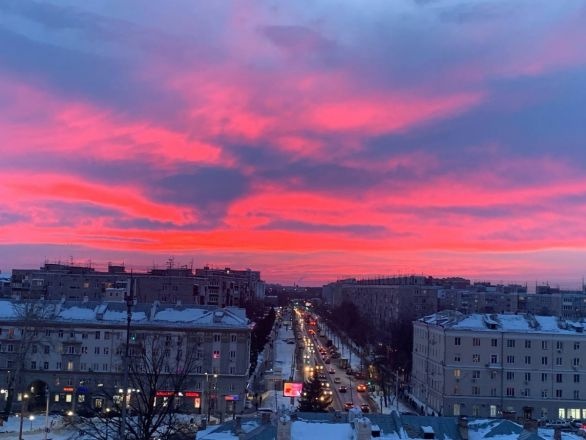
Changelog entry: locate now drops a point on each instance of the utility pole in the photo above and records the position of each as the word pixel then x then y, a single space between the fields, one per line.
pixel 129 298
pixel 47 412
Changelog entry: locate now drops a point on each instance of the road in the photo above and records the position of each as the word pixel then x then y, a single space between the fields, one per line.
pixel 313 358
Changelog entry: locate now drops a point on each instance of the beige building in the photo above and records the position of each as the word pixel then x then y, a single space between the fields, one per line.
pixel 489 365
pixel 77 350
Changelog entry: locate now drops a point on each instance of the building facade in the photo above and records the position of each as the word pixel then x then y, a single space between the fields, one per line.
pixel 207 286
pixel 488 365
pixel 77 351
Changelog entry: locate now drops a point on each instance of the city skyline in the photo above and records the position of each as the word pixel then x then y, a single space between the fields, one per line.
pixel 419 137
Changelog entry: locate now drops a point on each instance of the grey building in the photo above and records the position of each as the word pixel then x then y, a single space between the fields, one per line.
pixel 77 351
pixel 488 365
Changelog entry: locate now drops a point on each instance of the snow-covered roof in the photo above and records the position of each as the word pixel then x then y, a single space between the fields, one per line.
pixel 525 323
pixel 112 313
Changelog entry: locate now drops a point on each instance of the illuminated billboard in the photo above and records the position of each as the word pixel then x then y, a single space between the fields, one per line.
pixel 292 389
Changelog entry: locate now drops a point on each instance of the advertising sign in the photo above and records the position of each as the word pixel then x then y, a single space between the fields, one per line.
pixel 292 389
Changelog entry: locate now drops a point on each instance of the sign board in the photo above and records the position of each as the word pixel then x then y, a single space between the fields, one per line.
pixel 292 389
pixel 231 397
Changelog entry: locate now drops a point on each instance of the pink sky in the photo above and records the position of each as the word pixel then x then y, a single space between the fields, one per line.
pixel 308 141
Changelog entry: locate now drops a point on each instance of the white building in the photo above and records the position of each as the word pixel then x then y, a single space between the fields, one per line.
pixel 489 365
pixel 77 351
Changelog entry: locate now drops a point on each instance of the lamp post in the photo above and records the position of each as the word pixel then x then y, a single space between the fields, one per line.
pixel 23 401
pixel 47 412
pixel 129 298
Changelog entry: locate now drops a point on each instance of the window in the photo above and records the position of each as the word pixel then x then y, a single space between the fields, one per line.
pixel 457 358
pixel 527 360
pixel 84 336
pixel 558 378
pixel 58 366
pixel 71 349
pixel 494 359
pixel 576 362
pixel 476 374
pixel 457 373
pixel 45 365
pixel 69 365
pixel 558 361
pixel 97 350
pixel 576 346
pixel 576 394
pixel 527 343
pixel 510 392
pixel 106 350
pixel 232 354
pixel 232 338
pixel 232 370
pixel 476 342
pixel 47 332
pixel 576 378
pixel 510 343
pixel 493 392
pixel 217 337
pixel 457 340
pixel 47 349
pixel 543 360
pixel 544 345
pixel 544 393
pixel 475 390
pixel 98 334
pixel 476 358
pixel 72 334
pixel 106 335
pixel 510 375
pixel 544 377
pixel 494 342
pixel 60 334
pixel 84 350
pixel 216 354
pixel 493 374
pixel 33 365
pixel 558 394
pixel 510 359
pixel 559 345
pixel 104 367
pixel 527 377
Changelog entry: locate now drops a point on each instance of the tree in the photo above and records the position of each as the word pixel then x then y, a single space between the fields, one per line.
pixel 159 373
pixel 30 317
pixel 313 398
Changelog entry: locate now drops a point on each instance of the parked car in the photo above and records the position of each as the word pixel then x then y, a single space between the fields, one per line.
pixel 337 380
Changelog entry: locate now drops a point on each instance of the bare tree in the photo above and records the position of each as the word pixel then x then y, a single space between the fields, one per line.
pixel 30 319
pixel 159 373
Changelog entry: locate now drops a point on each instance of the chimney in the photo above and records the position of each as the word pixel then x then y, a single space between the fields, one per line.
pixel 362 429
pixel 463 427
pixel 284 428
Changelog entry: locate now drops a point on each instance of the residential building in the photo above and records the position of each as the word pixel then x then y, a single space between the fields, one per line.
pixel 490 365
pixel 77 350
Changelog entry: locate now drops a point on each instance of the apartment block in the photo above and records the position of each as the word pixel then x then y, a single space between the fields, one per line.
pixel 77 350
pixel 489 365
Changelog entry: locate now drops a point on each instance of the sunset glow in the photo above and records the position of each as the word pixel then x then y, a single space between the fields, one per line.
pixel 437 137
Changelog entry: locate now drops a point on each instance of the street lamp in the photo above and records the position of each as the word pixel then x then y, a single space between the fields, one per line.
pixel 23 401
pixel 129 298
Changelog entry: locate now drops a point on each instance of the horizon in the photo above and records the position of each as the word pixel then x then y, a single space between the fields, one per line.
pixel 309 141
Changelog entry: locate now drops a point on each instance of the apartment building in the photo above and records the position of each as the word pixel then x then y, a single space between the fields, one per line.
pixel 487 365
pixel 77 350
pixel 171 285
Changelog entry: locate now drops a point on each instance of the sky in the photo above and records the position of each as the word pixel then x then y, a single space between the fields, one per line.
pixel 309 140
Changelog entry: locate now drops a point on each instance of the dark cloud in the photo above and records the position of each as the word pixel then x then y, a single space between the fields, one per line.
pixel 356 229
pixel 208 189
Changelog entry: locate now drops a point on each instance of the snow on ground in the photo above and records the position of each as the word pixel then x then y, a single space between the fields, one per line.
pixel 35 429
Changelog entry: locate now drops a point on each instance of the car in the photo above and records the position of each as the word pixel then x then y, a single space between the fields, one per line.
pixel 342 388
pixel 327 360
pixel 361 388
pixel 348 406
pixel 365 408
pixel 321 377
pixel 359 375
pixel 337 380
pixel 332 371
pixel 349 372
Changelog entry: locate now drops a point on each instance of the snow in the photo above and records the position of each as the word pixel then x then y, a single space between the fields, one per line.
pixel 319 431
pixel 173 315
pixel 6 309
pixel 78 313
pixel 115 315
